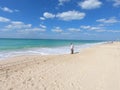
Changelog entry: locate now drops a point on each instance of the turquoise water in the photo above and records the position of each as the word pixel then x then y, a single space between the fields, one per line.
pixel 9 47
pixel 13 44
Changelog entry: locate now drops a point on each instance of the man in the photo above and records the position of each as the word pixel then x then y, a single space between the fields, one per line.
pixel 72 48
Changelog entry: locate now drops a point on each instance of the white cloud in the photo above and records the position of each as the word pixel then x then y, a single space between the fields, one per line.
pixel 16 10
pixel 101 30
pixel 34 30
pixel 88 34
pixel 42 18
pixel 116 3
pixel 6 9
pixel 114 31
pixel 111 20
pixel 17 22
pixel 90 4
pixel 21 26
pixel 43 26
pixel 66 16
pixel 48 15
pixel 3 19
pixel 74 29
pixel 98 29
pixel 85 27
pixel 94 28
pixel 101 25
pixel 70 15
pixel 61 2
pixel 110 31
pixel 57 29
pixel 18 25
pixel 91 27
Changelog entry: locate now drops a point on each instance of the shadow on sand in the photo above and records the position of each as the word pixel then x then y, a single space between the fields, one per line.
pixel 76 52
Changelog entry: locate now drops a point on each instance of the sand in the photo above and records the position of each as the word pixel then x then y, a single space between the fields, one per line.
pixel 95 68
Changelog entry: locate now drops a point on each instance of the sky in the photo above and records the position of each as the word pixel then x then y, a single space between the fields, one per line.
pixel 60 19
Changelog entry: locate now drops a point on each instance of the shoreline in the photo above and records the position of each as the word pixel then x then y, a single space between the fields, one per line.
pixel 94 68
pixel 46 50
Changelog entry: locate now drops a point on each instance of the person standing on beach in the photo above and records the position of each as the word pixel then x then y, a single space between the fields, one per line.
pixel 72 48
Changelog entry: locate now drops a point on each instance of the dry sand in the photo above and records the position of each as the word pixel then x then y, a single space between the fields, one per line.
pixel 96 68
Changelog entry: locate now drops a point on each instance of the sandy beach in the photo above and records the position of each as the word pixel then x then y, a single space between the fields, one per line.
pixel 95 68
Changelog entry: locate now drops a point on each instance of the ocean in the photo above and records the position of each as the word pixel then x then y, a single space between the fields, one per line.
pixel 14 47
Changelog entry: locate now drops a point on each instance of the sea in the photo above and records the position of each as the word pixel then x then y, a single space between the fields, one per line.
pixel 16 47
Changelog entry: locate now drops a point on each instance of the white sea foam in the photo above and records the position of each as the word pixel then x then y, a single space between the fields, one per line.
pixel 44 51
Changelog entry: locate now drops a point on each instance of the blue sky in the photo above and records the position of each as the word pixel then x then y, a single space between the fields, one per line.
pixel 60 19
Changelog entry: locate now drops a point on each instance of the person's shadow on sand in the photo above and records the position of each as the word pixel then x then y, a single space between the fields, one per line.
pixel 76 52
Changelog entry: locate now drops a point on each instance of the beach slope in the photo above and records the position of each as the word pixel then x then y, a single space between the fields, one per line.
pixel 95 68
